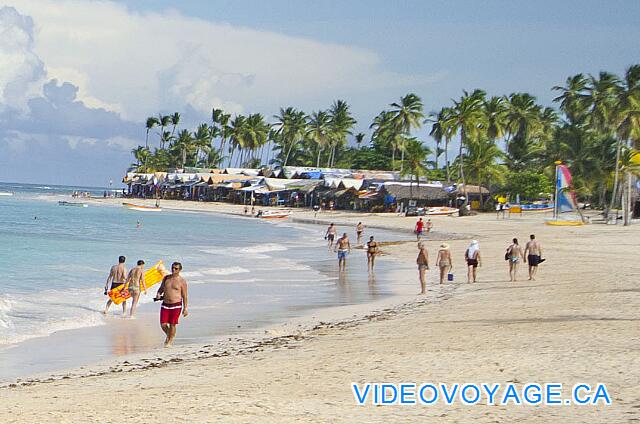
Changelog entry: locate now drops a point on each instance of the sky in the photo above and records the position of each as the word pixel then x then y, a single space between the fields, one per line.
pixel 78 78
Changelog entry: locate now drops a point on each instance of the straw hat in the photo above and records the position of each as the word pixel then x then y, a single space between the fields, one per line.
pixel 444 246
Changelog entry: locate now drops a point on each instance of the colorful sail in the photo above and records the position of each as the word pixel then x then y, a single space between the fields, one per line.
pixel 566 201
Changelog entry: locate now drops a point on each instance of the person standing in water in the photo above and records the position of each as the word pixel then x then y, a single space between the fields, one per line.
pixel 419 229
pixel 173 293
pixel 372 251
pixel 472 257
pixel 330 235
pixel 533 253
pixel 135 283
pixel 443 261
pixel 343 247
pixel 117 276
pixel 423 266
pixel 513 256
pixel 359 230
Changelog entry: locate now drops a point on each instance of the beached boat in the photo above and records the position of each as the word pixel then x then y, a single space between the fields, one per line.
pixel 6 193
pixel 443 210
pixel 141 208
pixel 537 207
pixel 76 204
pixel 275 214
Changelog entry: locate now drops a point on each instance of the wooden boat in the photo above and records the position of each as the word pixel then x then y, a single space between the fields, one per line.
pixel 141 208
pixel 76 204
pixel 441 211
pixel 275 214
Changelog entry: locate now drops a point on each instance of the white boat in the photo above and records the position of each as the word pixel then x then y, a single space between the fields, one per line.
pixel 6 193
pixel 76 204
pixel 142 208
pixel 444 210
pixel 275 214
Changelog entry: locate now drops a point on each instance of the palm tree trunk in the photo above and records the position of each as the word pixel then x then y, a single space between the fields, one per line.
pixel 616 175
pixel 233 150
pixel 446 158
pixel 401 159
pixel 393 158
pixel 318 161
pixel 286 159
pixel 464 184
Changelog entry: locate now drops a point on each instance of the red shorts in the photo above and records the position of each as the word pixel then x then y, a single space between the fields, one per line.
pixel 170 313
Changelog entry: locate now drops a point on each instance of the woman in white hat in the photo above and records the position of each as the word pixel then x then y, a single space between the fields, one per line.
pixel 443 262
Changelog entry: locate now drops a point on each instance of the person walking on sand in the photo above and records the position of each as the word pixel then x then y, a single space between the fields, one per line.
pixel 419 229
pixel 423 266
pixel 117 276
pixel 533 254
pixel 513 255
pixel 173 293
pixel 472 257
pixel 343 247
pixel 135 283
pixel 443 261
pixel 372 251
pixel 330 235
pixel 359 230
pixel 429 225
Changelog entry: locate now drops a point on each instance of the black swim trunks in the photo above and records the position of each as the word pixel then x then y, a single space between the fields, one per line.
pixel 330 237
pixel 472 262
pixel 534 260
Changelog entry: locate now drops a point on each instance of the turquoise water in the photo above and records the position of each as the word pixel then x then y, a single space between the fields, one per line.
pixel 241 271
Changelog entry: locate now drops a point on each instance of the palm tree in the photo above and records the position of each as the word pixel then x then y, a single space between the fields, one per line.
pixel 496 110
pixel 236 135
pixel 255 135
pixel 359 139
pixel 175 120
pixel 291 129
pixel 164 120
pixel 385 134
pixel 340 123
pixel 220 127
pixel 573 100
pixel 202 140
pixel 318 131
pixel 151 122
pixel 467 117
pixel 407 115
pixel 523 125
pixel 439 131
pixel 481 163
pixel 141 154
pixel 414 162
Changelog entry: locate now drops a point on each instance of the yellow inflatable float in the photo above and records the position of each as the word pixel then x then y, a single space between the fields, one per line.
pixel 152 276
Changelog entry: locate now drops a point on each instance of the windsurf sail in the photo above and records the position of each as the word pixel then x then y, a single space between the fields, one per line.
pixel 565 197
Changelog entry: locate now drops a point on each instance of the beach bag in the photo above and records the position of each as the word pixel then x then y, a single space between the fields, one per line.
pixel 506 255
pixel 449 277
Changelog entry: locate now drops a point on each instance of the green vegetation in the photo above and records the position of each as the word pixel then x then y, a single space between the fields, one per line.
pixel 509 143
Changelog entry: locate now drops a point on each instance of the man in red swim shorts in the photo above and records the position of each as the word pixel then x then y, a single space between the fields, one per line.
pixel 173 292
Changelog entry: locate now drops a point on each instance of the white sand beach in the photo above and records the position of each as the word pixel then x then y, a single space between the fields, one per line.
pixel 579 322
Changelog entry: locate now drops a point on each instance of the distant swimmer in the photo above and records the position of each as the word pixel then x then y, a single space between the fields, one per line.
pixel 138 224
pixel 330 235
pixel 513 255
pixel 423 265
pixel 419 229
pixel 359 230
pixel 372 251
pixel 343 247
pixel 443 261
pixel 173 292
pixel 533 254
pixel 135 283
pixel 473 259
pixel 117 276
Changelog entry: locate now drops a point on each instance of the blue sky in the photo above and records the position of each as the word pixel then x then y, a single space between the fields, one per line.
pixel 79 76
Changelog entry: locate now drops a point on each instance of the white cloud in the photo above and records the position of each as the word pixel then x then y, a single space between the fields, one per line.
pixel 139 63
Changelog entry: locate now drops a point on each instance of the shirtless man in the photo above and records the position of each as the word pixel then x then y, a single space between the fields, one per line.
pixel 372 251
pixel 135 283
pixel 533 253
pixel 330 235
pixel 359 230
pixel 343 247
pixel 173 292
pixel 117 276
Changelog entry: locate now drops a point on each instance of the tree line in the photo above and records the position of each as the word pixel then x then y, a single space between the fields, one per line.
pixel 509 143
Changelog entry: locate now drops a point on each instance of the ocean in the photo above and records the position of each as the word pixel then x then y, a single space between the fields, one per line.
pixel 243 274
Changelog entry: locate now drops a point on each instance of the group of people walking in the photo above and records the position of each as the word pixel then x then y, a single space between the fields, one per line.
pixel 531 254
pixel 172 292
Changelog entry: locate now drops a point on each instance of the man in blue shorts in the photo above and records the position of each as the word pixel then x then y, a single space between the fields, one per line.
pixel 343 247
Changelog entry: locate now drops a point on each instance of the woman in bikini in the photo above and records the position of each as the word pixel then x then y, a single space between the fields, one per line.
pixel 443 261
pixel 423 266
pixel 513 254
pixel 472 257
pixel 372 251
